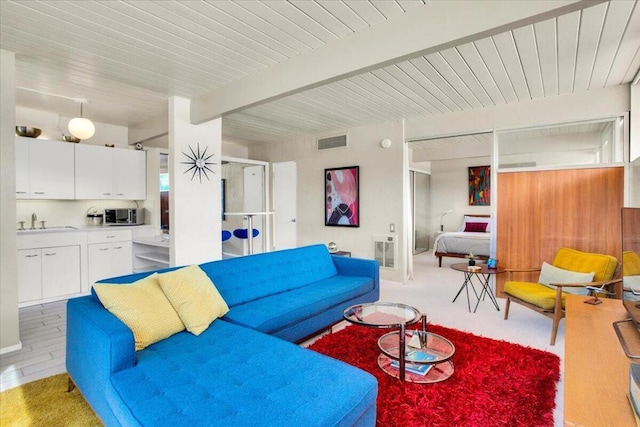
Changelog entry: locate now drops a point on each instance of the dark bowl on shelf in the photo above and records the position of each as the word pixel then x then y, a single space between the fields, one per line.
pixel 69 138
pixel 28 132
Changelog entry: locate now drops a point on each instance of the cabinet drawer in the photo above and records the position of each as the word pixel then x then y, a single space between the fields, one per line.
pixel 106 236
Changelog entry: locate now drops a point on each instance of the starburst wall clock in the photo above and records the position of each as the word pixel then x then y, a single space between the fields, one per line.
pixel 198 163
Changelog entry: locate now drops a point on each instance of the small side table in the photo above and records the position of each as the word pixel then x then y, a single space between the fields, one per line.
pixel 482 276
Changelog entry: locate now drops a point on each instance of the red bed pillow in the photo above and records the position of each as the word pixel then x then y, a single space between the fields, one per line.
pixel 478 227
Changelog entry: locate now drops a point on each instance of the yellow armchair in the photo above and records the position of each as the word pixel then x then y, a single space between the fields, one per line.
pixel 570 272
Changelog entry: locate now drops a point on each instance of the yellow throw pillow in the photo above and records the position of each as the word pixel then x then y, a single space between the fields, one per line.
pixel 143 307
pixel 194 296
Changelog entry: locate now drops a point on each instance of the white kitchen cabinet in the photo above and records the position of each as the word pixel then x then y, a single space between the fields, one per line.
pixel 45 169
pixel 60 271
pixel 130 176
pixel 93 172
pixel 109 173
pixel 48 273
pixel 110 254
pixel 29 275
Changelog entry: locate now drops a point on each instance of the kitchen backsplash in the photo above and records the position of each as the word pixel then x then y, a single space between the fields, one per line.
pixel 65 212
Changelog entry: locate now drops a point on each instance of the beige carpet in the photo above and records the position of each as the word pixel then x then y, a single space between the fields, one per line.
pixel 45 402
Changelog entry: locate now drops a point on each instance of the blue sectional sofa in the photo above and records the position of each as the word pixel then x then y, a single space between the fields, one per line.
pixel 244 369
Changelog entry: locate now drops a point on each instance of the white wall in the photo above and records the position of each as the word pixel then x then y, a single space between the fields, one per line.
pixel 634 186
pixel 194 202
pixel 450 190
pixel 9 322
pixel 381 187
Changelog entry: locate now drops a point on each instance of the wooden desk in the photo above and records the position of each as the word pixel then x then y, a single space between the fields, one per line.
pixel 596 370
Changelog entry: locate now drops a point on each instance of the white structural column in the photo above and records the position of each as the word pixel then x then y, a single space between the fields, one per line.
pixel 194 203
pixel 436 26
pixel 9 321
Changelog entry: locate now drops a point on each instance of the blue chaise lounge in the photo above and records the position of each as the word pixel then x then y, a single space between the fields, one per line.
pixel 244 368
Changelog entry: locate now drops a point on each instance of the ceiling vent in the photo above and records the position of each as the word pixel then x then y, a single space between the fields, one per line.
pixel 329 143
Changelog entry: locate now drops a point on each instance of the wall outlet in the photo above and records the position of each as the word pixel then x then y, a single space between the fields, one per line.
pixel 392 228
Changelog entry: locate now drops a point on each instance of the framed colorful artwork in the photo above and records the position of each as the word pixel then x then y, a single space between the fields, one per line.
pixel 342 196
pixel 479 185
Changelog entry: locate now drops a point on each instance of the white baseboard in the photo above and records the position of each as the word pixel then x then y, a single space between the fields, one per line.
pixel 9 349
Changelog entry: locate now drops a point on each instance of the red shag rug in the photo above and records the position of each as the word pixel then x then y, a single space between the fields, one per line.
pixel 495 383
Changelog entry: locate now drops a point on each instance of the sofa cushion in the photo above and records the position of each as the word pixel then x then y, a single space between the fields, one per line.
pixel 143 307
pixel 194 297
pixel 275 312
pixel 550 275
pixel 269 382
pixel 603 266
pixel 248 278
pixel 630 263
pixel 534 293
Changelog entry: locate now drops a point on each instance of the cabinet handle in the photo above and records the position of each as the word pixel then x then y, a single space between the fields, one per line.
pixel 30 256
pixel 21 192
pixel 106 194
pixel 50 254
pixel 38 192
pixel 118 247
pixel 119 194
pixel 104 249
pixel 110 237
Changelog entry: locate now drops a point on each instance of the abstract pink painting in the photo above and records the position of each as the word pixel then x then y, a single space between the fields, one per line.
pixel 341 196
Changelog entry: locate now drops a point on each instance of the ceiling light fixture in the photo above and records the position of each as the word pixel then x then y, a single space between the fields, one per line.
pixel 81 128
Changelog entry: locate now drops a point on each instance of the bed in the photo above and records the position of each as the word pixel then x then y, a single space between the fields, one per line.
pixel 473 236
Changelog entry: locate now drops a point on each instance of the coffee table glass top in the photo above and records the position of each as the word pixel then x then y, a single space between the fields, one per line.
pixel 381 314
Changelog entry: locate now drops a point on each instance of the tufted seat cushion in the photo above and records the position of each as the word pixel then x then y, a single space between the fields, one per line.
pixel 533 293
pixel 630 263
pixel 295 387
pixel 603 266
pixel 273 313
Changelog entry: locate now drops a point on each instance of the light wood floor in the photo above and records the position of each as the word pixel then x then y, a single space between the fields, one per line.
pixel 42 332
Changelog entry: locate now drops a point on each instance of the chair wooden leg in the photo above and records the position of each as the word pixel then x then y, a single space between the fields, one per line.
pixel 557 315
pixel 554 330
pixel 507 304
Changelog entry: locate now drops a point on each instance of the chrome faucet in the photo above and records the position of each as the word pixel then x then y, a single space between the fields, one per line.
pixel 34 218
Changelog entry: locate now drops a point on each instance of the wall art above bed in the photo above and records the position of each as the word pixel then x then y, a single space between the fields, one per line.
pixel 479 185
pixel 342 196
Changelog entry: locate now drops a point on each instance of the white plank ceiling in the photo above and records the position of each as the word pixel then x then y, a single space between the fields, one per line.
pixel 127 57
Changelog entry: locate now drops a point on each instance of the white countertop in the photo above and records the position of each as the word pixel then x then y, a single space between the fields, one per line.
pixel 84 228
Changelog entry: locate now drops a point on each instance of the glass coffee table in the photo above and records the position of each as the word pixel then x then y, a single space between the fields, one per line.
pixel 413 356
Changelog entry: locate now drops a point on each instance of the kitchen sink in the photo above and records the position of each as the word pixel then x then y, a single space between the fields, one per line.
pixel 52 228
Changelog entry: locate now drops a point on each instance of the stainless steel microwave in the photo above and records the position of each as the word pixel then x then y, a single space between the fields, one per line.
pixel 124 216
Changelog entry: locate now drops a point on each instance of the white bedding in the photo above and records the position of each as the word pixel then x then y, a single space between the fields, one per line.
pixel 460 242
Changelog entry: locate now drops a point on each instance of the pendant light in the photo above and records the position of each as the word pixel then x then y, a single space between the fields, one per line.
pixel 80 127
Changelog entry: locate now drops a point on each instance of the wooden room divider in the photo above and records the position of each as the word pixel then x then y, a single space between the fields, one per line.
pixel 541 211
